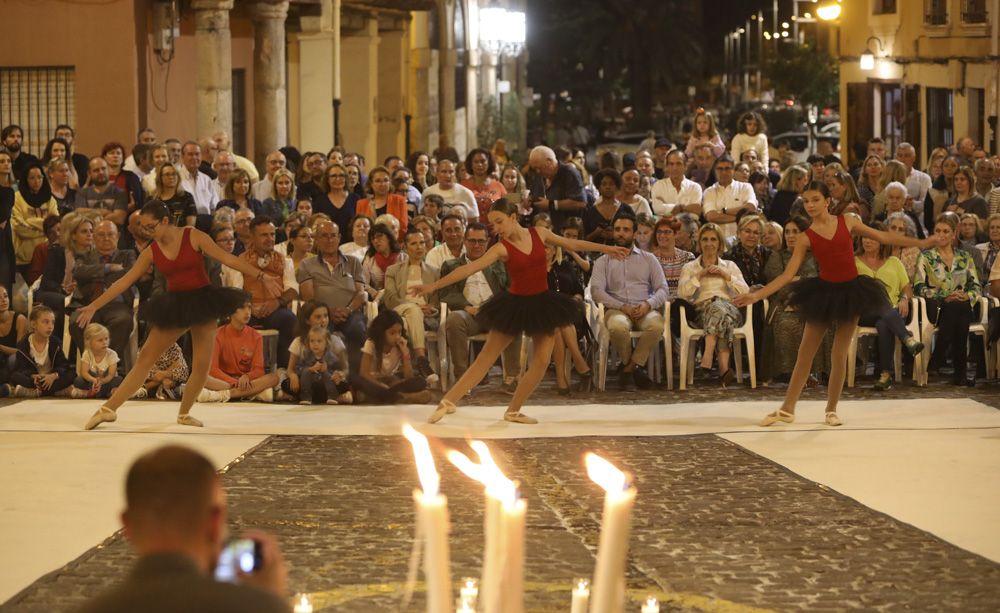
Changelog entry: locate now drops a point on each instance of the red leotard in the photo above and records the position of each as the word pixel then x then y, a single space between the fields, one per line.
pixel 835 256
pixel 184 273
pixel 528 272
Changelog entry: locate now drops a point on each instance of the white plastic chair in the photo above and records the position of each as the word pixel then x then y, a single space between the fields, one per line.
pixel 862 331
pixel 604 347
pixel 688 343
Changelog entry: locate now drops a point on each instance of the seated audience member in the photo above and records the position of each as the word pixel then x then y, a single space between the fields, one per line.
pixel 573 230
pixel 402 185
pixel 237 369
pixel 773 239
pixel 224 165
pixel 381 200
pixel 158 156
pixel 788 197
pixel 748 253
pixel 671 258
pixel 314 315
pixel 453 233
pixel 969 235
pixel 725 200
pixel 674 193
pixel 686 237
pixel 644 232
pixel 710 283
pixel 175 519
pixel 762 189
pixel 236 194
pixel 323 364
pixel 451 193
pixel 897 200
pixel 101 196
pixel 898 223
pixel 481 169
pixel 41 368
pixel 515 185
pixel 633 292
pixel 434 208
pixel 33 202
pixel 383 253
pixel 699 169
pixel 224 237
pixel 419 313
pixel 272 294
pixel 57 172
pixel 293 221
pixel 167 377
pixel 844 196
pixel 464 299
pixel 97 369
pixel 563 277
pixel 195 181
pixel 629 193
pixel 784 327
pixel 430 229
pixel 360 229
pixel 335 200
pixel 598 219
pixel 337 282
pixel 274 163
pixel 386 375
pixel 225 145
pixel 13 328
pixel 52 228
pixel 947 280
pixel 58 280
pixel 183 211
pixel 965 199
pixel 990 249
pixel 95 272
pixel 875 260
pixel 280 200
pixel 300 245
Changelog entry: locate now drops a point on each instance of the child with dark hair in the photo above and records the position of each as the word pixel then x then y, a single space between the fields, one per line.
pixel 41 368
pixel 237 368
pixel 386 375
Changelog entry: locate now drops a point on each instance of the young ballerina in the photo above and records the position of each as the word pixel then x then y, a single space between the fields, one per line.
pixel 97 371
pixel 190 303
pixel 837 296
pixel 529 306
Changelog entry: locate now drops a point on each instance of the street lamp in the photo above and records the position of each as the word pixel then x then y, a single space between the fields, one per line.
pixel 829 12
pixel 502 32
pixel 868 57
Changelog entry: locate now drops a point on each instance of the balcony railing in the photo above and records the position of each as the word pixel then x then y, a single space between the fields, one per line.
pixel 936 13
pixel 974 11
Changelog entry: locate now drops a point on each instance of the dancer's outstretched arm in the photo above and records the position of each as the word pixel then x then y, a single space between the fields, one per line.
pixel 207 246
pixel 462 272
pixel 855 225
pixel 552 238
pixel 786 277
pixel 142 264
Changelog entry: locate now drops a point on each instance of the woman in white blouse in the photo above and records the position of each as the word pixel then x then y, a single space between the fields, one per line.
pixel 710 283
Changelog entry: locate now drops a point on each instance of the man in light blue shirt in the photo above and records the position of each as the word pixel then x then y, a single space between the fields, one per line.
pixel 633 292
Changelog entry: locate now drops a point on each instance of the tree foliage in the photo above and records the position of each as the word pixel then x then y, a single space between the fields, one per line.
pixel 803 73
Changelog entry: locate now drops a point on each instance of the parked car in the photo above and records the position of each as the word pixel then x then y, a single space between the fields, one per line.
pixel 800 146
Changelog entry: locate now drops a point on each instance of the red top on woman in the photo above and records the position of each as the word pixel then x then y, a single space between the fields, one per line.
pixel 528 272
pixel 186 272
pixel 835 256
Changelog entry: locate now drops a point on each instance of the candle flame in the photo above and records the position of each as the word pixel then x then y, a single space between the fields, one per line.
pixel 430 481
pixel 582 585
pixel 605 474
pixel 486 472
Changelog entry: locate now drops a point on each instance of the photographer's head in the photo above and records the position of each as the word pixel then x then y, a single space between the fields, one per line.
pixel 175 503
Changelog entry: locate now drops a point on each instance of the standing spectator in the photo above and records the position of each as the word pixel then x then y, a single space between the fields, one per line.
pixel 57 172
pixel 704 131
pixel 453 233
pixel 451 192
pixel 78 160
pixel 272 293
pixel 556 188
pixel 101 197
pixel 917 182
pixel 196 182
pixel 336 281
pixel 482 169
pixel 751 133
pixel 274 162
pixel 21 161
pixel 419 313
pixel 633 291
pixel 33 202
pixel 125 180
pixel 169 190
pixel 674 193
pixel 336 200
pixel 381 201
pixel 724 201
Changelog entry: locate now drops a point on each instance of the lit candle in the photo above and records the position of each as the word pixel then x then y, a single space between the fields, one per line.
pixel 465 606
pixel 302 604
pixel 502 585
pixel 609 574
pixel 469 591
pixel 432 515
pixel 581 595
pixel 651 606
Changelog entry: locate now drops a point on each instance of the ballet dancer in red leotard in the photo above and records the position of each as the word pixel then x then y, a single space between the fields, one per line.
pixel 837 296
pixel 190 303
pixel 529 307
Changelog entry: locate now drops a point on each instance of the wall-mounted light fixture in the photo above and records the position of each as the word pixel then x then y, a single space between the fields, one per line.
pixel 868 57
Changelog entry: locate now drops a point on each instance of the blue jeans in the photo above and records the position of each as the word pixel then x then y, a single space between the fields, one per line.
pixel 890 326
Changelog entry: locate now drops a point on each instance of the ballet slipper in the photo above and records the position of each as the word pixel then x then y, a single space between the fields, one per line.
pixel 776 417
pixel 186 419
pixel 445 407
pixel 102 415
pixel 519 418
pixel 832 419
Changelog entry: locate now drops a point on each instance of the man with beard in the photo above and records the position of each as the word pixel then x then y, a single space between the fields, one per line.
pixel 13 137
pixel 100 195
pixel 633 292
pixel 79 161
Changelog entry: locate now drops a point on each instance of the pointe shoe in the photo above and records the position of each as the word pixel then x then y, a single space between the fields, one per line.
pixel 777 416
pixel 833 420
pixel 102 415
pixel 445 407
pixel 186 419
pixel 332 401
pixel 519 418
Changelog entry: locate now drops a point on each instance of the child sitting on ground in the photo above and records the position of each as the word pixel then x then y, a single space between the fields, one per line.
pixel 322 364
pixel 41 368
pixel 97 371
pixel 237 369
pixel 167 377
pixel 386 375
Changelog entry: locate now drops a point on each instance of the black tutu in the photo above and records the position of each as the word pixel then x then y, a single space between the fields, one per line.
pixel 185 309
pixel 822 301
pixel 541 313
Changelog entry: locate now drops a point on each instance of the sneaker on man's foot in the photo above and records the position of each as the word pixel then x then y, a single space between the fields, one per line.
pixel 884 382
pixel 208 395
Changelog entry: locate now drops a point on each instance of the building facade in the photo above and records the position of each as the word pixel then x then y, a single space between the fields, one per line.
pixel 931 78
pixel 393 75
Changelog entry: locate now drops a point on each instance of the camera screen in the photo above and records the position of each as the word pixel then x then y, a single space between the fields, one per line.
pixel 239 554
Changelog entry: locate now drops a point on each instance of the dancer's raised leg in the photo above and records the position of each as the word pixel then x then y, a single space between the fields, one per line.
pixel 202 343
pixel 812 337
pixel 496 342
pixel 540 356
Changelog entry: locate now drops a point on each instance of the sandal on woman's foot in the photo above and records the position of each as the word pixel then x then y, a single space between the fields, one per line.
pixel 519 418
pixel 186 419
pixel 833 420
pixel 777 416
pixel 445 407
pixel 102 415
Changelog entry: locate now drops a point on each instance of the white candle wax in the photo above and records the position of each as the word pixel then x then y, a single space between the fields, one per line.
pixel 303 605
pixel 608 593
pixel 512 582
pixel 581 596
pixel 651 606
pixel 469 591
pixel 489 585
pixel 432 512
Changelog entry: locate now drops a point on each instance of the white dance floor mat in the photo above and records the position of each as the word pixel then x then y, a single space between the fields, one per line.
pixel 933 463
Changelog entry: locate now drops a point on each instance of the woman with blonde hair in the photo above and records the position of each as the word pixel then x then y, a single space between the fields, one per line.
pixel 942 190
pixel 281 201
pixel 868 179
pixel 236 194
pixel 168 189
pixel 934 160
pixel 788 197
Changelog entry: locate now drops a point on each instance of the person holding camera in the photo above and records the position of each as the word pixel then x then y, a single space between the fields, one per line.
pixel 175 519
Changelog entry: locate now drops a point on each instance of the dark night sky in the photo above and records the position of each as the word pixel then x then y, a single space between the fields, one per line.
pixel 721 16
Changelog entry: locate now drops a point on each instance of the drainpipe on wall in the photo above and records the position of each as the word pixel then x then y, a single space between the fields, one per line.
pixel 995 53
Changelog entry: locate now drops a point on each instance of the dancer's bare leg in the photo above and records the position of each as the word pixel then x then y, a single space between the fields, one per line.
pixel 202 342
pixel 157 342
pixel 496 342
pixel 838 368
pixel 812 337
pixel 540 357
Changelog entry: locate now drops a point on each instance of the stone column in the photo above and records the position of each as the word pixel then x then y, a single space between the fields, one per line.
pixel 423 106
pixel 270 100
pixel 447 60
pixel 214 75
pixel 393 55
pixel 359 113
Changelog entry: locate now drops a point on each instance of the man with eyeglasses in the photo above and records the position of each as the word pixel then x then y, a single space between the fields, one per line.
pixel 464 299
pixel 274 162
pixel 453 232
pixel 724 200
